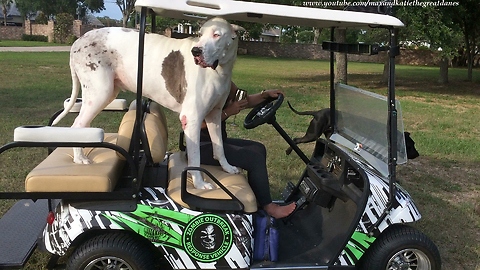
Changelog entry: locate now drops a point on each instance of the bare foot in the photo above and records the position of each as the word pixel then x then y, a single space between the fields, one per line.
pixel 278 211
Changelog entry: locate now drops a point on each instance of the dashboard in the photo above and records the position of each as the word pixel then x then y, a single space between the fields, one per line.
pixel 330 176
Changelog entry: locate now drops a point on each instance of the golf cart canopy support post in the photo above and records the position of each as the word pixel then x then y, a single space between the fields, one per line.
pixel 139 113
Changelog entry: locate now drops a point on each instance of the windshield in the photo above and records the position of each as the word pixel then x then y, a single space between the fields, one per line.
pixel 361 124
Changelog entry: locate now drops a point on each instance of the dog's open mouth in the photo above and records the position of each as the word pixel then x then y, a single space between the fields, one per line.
pixel 201 62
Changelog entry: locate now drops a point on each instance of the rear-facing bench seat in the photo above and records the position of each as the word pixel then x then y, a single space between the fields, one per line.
pixel 58 173
pixel 237 184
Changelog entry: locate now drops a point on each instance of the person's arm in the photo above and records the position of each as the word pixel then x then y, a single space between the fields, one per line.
pixel 234 107
pixel 230 108
pixel 255 99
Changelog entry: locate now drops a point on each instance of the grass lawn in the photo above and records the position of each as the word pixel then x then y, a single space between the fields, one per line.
pixel 443 121
pixel 21 43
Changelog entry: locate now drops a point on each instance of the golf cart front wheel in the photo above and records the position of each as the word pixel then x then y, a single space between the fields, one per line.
pixel 112 251
pixel 402 248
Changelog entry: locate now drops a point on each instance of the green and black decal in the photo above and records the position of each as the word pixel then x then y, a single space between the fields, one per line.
pixel 153 223
pixel 205 238
pixel 356 247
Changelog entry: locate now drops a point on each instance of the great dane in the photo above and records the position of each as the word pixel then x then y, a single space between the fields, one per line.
pixel 189 76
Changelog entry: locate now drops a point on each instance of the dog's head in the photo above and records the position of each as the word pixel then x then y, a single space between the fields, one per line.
pixel 217 44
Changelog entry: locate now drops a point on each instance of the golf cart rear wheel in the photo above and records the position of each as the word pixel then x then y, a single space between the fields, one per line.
pixel 112 251
pixel 402 248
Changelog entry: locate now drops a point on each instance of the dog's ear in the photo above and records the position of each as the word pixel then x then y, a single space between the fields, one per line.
pixel 235 29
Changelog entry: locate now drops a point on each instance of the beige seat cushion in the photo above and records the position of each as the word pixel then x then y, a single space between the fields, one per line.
pixel 58 173
pixel 155 127
pixel 237 184
pixel 125 131
pixel 157 137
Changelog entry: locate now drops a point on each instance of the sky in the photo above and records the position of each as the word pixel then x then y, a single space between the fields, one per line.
pixel 111 10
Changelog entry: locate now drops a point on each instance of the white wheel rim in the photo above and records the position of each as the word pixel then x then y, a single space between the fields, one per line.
pixel 108 263
pixel 409 259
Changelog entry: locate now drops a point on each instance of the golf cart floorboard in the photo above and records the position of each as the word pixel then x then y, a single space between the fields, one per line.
pixel 20 228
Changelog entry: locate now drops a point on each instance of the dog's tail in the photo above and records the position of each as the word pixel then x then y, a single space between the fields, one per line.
pixel 300 113
pixel 73 97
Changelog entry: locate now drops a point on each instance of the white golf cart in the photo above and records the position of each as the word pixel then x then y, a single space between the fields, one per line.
pixel 135 209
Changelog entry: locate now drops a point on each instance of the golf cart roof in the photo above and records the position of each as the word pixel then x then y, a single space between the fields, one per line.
pixel 266 13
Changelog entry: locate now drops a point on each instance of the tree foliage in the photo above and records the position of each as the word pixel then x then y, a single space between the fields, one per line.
pixel 28 8
pixel 41 18
pixel 109 22
pixel 53 7
pixel 465 16
pixel 63 27
pixel 127 8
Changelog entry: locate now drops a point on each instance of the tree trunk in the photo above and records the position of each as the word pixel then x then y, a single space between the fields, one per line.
pixel 386 70
pixel 125 20
pixel 316 34
pixel 4 10
pixel 341 58
pixel 443 79
pixel 470 66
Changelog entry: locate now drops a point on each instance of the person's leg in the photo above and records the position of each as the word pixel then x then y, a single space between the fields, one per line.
pixel 251 156
pixel 246 155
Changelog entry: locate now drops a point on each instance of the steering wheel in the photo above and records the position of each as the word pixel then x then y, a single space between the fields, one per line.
pixel 263 112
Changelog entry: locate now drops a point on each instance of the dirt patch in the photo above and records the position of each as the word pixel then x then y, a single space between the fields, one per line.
pixel 447 194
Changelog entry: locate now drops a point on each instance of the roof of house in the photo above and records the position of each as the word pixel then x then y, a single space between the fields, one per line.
pixel 272 32
pixel 12 11
pixel 92 20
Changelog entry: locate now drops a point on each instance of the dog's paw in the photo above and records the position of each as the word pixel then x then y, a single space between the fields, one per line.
pixel 82 160
pixel 231 169
pixel 204 185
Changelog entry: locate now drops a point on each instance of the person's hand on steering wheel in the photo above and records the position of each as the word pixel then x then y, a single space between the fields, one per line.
pixel 272 93
pixel 265 110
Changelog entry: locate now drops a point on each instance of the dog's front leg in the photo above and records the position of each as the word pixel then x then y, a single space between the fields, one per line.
pixel 191 125
pixel 213 120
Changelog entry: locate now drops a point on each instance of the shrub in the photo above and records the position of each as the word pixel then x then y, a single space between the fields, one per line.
pixel 26 37
pixel 63 27
pixel 71 39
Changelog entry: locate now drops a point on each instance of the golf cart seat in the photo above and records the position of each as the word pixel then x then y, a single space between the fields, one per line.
pixel 58 173
pixel 237 184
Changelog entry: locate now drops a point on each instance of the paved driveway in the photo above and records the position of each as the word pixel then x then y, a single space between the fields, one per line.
pixel 36 49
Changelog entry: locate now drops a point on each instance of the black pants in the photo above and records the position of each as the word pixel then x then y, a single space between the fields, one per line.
pixel 248 155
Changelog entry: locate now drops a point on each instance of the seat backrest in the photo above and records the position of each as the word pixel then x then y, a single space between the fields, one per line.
pixel 155 127
pixel 156 130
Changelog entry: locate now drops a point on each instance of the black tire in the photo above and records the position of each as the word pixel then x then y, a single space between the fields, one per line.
pixel 112 249
pixel 402 247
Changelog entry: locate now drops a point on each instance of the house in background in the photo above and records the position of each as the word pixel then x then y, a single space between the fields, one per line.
pixel 270 35
pixel 13 16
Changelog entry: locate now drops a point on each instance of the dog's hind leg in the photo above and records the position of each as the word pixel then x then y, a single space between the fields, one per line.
pixel 97 92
